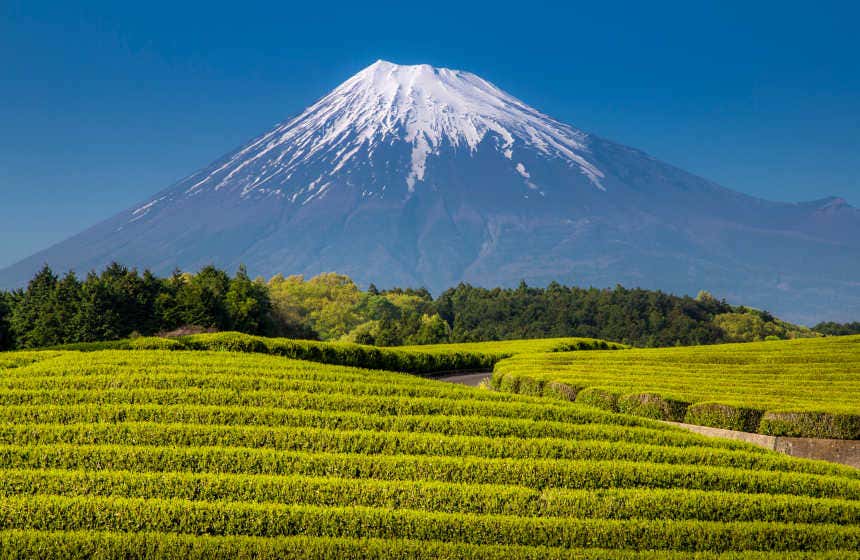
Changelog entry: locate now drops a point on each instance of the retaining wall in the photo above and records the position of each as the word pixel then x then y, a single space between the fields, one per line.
pixel 844 451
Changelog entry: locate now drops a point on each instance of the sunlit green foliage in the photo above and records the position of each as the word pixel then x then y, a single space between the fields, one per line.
pixel 803 388
pixel 420 359
pixel 325 304
pixel 121 302
pixel 755 326
pixel 218 454
pixel 838 329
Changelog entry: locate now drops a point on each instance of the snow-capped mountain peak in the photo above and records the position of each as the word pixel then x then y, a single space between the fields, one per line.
pixel 424 107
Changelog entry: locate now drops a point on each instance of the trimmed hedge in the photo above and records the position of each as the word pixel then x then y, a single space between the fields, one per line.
pixel 373 404
pixel 800 388
pixel 369 442
pixel 140 343
pixel 534 473
pixel 272 520
pixel 728 417
pixel 413 360
pixel 101 545
pixel 654 406
pixel 561 391
pixel 345 420
pixel 195 381
pixel 598 398
pixel 712 414
pixel 435 496
pixel 336 353
pixel 811 424
pixel 345 354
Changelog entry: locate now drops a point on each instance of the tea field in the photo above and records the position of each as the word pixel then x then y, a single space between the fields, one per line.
pixel 203 454
pixel 804 388
pixel 419 360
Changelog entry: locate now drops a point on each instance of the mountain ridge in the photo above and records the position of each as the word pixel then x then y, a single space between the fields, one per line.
pixel 415 175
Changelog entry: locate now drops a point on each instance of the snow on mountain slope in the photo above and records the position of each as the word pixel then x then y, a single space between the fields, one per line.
pixel 425 107
pixel 415 175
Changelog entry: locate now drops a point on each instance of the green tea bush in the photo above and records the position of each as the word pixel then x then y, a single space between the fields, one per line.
pixel 728 417
pixel 590 427
pixel 423 360
pixel 598 398
pixel 561 391
pixel 802 388
pixel 60 513
pixel 232 451
pixel 811 424
pixel 102 545
pixel 534 473
pixel 434 496
pixel 369 442
pixel 654 406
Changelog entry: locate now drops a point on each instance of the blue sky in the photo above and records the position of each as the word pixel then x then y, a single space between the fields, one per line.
pixel 105 103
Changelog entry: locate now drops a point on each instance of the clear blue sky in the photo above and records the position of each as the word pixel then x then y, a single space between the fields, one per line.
pixel 105 103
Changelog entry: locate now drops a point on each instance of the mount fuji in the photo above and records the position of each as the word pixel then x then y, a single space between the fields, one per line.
pixel 415 175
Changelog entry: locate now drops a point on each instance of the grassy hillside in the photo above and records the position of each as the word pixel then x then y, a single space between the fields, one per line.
pixel 808 387
pixel 203 454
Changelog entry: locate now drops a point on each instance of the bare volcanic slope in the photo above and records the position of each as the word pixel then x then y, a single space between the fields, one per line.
pixel 415 175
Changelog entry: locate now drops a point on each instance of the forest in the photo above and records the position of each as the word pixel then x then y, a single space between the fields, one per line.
pixel 121 302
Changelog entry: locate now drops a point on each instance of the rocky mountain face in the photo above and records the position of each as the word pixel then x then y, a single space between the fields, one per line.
pixel 422 176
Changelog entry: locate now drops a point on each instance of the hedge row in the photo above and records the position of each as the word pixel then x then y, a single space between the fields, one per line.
pixel 714 414
pixel 61 513
pixel 81 367
pixel 247 383
pixel 717 415
pixel 450 425
pixel 800 388
pixel 337 353
pixel 534 473
pixel 435 496
pixel 321 401
pixel 100 545
pixel 346 354
pixel 369 442
pixel 77 364
pixel 141 343
pixel 811 424
pixel 412 360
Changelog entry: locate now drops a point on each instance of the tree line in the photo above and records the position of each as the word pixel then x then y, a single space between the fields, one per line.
pixel 837 329
pixel 120 302
pixel 638 317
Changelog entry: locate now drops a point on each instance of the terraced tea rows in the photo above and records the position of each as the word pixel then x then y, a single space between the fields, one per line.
pixel 217 454
pixel 420 360
pixel 804 388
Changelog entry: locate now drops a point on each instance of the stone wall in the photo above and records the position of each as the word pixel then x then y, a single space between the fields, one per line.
pixel 846 452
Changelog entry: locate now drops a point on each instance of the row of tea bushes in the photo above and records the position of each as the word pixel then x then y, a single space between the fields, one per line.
pixel 422 360
pixel 205 453
pixel 801 388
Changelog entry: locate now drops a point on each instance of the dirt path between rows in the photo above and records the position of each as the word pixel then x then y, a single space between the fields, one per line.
pixel 468 379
